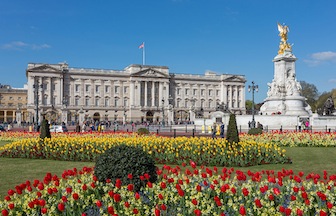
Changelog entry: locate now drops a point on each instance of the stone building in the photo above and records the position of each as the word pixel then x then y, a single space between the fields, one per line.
pixel 137 93
pixel 13 104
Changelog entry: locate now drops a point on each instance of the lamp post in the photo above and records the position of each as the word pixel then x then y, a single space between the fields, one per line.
pixel 163 114
pixel 36 86
pixel 253 88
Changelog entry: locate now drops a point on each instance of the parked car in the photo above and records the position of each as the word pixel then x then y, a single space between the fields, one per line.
pixel 2 128
pixel 58 128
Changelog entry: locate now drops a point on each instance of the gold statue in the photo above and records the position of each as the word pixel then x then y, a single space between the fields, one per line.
pixel 283 31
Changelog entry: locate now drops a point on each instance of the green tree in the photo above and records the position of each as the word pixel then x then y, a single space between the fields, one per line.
pixel 322 99
pixel 232 132
pixel 310 92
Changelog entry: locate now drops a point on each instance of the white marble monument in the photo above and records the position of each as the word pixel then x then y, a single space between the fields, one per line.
pixel 284 92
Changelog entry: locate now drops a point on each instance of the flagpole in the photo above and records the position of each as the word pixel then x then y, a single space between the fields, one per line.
pixel 143 54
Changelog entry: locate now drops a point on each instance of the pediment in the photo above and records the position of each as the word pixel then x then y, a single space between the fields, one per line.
pixel 150 73
pixel 234 79
pixel 44 68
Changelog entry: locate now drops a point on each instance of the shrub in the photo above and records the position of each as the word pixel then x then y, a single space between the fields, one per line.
pixel 143 131
pixel 232 132
pixel 120 161
pixel 255 131
pixel 45 129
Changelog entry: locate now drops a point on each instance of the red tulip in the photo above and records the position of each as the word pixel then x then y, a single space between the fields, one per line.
pixel 242 210
pixel 4 212
pixel 61 207
pixel 44 210
pixel 75 196
pixel 135 211
pixel 99 204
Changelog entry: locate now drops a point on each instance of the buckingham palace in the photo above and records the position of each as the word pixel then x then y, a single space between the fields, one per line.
pixel 138 93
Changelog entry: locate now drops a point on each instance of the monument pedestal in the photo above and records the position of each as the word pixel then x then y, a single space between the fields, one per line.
pixel 283 96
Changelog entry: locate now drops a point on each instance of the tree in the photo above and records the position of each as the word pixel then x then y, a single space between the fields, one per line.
pixel 310 92
pixel 232 133
pixel 322 99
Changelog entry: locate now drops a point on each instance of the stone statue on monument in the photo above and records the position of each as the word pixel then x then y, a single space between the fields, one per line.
pixel 293 87
pixel 283 31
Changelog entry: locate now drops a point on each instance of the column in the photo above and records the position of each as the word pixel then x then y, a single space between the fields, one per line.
pixel 145 93
pixel 102 93
pixel 30 90
pixel 5 115
pixel 165 93
pixel 132 91
pixel 122 93
pixel 50 92
pixel 112 94
pixel 153 93
pixel 82 93
pixel 222 94
pixel 242 97
pixel 161 96
pixel 92 101
pixel 60 92
pixel 137 93
pixel 231 96
pixel 237 98
pixel 40 88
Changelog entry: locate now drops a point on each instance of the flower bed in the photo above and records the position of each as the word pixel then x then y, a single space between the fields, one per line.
pixel 294 139
pixel 199 191
pixel 204 151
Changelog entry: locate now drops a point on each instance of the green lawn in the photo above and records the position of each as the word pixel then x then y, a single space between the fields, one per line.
pixel 14 171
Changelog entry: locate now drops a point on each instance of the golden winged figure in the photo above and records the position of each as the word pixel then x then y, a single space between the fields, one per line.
pixel 283 31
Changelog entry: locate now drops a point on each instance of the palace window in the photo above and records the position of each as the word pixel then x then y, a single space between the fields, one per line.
pixel 76 101
pixel 115 102
pixel 87 88
pixel 87 101
pixel 217 92
pixel 210 92
pixel 125 89
pixel 194 91
pixel 97 88
pixel 116 89
pixel 202 92
pixel 97 101
pixel 186 91
pixel 107 89
pixel 178 91
pixel 77 87
pixel 125 102
pixel 107 102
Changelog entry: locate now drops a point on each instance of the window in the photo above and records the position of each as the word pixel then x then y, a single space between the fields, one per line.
pixel 54 101
pixel 97 88
pixel 178 91
pixel 210 92
pixel 210 103
pixel 186 103
pixel 77 87
pixel 186 91
pixel 53 87
pixel 87 88
pixel 77 101
pixel 45 100
pixel 107 102
pixel 97 101
pixel 202 92
pixel 87 101
pixel 116 89
pixel 107 89
pixel 10 104
pixel 217 92
pixel 125 89
pixel 194 91
pixel 178 103
pixel 10 98
pixel 116 102
pixel 125 102
pixel 19 98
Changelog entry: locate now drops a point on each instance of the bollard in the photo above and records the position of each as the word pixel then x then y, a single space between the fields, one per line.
pixel 114 130
pixel 281 128
pixel 157 131
pixel 193 132
pixel 174 133
pixel 326 128
pixel 127 130
pixel 329 130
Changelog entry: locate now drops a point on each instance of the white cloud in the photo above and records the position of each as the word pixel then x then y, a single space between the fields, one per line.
pixel 19 45
pixel 321 57
pixel 332 80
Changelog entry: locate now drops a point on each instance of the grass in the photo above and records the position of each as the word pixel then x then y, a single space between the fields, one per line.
pixel 14 171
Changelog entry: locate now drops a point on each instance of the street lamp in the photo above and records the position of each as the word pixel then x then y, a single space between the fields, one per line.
pixel 253 88
pixel 36 86
pixel 163 115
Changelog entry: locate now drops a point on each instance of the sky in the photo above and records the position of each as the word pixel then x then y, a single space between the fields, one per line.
pixel 189 36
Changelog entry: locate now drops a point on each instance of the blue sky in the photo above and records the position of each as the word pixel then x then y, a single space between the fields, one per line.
pixel 188 36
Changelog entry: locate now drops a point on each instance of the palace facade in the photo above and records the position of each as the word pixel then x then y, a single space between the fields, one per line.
pixel 137 93
pixel 13 104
